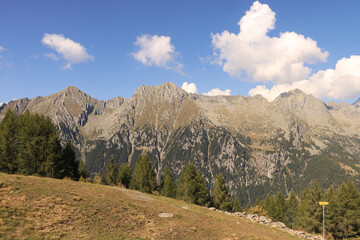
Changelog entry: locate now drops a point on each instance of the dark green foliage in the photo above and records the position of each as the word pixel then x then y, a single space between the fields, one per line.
pixel 236 206
pixel 110 176
pixel 71 167
pixel 168 188
pixel 125 175
pixel 341 215
pixel 221 195
pixel 310 212
pixel 8 143
pixel 29 144
pixel 82 170
pixel 292 204
pixel 144 178
pixel 192 186
pixel 346 215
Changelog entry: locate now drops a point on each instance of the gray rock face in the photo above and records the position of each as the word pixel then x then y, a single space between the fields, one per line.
pixel 259 146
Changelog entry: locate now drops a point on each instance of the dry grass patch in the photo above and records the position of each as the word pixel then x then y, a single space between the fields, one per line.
pixel 43 208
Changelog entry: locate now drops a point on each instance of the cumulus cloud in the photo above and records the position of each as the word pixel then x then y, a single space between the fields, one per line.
pixel 252 53
pixel 189 87
pixel 72 52
pixel 157 51
pixel 218 92
pixel 342 82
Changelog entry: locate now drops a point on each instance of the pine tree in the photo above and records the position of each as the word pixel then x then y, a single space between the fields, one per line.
pixel 201 191
pixel 82 171
pixel 8 143
pixel 279 208
pixel 310 212
pixel 268 205
pixel 110 176
pixel 330 211
pixel 248 206
pixel 192 186
pixel 71 167
pixel 125 175
pixel 168 185
pixel 39 150
pixel 292 204
pixel 221 196
pixel 346 220
pixel 236 206
pixel 144 178
pixel 53 165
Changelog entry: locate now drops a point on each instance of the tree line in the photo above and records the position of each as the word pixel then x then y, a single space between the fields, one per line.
pixel 29 145
pixel 191 186
pixel 342 215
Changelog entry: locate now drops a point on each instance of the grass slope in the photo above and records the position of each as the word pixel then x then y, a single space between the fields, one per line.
pixel 43 208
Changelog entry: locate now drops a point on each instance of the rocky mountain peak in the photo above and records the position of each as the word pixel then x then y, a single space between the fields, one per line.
pixel 306 107
pixel 297 100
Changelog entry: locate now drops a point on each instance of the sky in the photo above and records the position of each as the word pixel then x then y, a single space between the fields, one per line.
pixel 233 47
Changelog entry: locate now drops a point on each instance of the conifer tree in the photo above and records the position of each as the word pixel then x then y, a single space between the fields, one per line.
pixel 71 167
pixel 248 206
pixel 53 165
pixel 236 206
pixel 82 171
pixel 221 196
pixel 110 176
pixel 292 204
pixel 192 186
pixel 144 178
pixel 330 212
pixel 168 185
pixel 279 207
pixel 8 143
pixel 347 211
pixel 268 205
pixel 125 175
pixel 310 212
pixel 39 150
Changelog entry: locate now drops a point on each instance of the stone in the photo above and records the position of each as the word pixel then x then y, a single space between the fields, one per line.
pixel 166 215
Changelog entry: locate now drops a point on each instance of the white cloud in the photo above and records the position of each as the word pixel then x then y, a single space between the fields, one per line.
pixel 67 66
pixel 71 51
pixel 342 82
pixel 52 56
pixel 2 49
pixel 253 53
pixel 189 87
pixel 158 51
pixel 218 92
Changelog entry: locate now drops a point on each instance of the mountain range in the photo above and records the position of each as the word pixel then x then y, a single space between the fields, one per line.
pixel 260 147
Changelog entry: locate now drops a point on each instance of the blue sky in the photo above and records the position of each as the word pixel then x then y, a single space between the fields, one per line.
pixel 119 45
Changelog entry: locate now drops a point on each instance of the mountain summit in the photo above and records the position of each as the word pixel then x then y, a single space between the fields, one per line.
pixel 259 146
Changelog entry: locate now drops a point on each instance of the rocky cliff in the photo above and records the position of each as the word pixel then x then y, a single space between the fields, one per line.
pixel 259 146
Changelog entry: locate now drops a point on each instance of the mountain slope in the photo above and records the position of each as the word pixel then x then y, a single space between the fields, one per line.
pixel 259 146
pixel 39 208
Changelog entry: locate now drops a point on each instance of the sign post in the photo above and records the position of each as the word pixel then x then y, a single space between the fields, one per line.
pixel 323 204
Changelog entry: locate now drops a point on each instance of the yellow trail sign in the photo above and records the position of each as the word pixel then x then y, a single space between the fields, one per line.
pixel 323 203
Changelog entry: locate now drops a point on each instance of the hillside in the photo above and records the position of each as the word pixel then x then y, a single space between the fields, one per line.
pixel 36 208
pixel 260 147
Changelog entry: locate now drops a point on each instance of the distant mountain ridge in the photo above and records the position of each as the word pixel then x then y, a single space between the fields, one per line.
pixel 259 146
